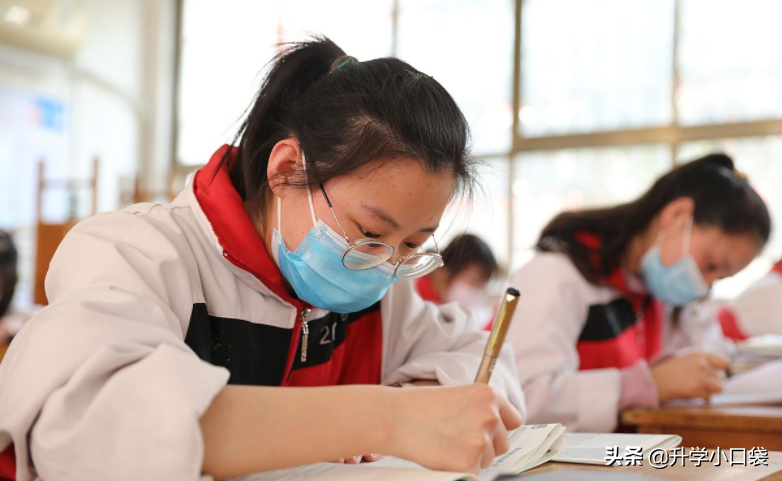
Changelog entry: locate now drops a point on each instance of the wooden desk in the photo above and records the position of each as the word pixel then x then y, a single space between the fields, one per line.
pixel 3 349
pixel 712 427
pixel 689 472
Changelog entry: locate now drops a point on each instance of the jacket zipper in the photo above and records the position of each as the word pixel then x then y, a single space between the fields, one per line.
pixel 305 332
pixel 304 316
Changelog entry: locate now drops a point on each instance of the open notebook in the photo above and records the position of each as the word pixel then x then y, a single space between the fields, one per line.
pixel 769 345
pixel 530 446
pixel 760 385
pixel 585 448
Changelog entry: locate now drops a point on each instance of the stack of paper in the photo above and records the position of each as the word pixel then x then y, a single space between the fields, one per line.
pixel 755 352
pixel 769 345
pixel 761 385
pixel 584 448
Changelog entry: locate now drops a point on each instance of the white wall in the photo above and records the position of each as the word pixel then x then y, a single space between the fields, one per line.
pixel 117 92
pixel 125 93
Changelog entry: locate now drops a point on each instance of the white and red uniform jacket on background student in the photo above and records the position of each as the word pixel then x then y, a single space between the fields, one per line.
pixel 156 307
pixel 756 311
pixel 583 350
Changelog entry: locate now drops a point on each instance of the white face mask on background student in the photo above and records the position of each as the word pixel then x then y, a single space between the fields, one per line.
pixel 465 295
pixel 470 298
pixel 678 284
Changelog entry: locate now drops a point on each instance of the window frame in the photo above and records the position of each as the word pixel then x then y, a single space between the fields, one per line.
pixel 672 134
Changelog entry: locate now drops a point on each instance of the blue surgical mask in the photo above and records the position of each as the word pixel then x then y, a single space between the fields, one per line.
pixel 678 284
pixel 317 274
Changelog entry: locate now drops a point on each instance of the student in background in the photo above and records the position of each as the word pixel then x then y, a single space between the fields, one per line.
pixel 8 279
pixel 286 262
pixel 589 326
pixel 756 311
pixel 469 265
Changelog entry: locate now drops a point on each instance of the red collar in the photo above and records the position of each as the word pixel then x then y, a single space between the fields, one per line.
pixel 617 278
pixel 8 463
pixel 777 268
pixel 426 290
pixel 235 232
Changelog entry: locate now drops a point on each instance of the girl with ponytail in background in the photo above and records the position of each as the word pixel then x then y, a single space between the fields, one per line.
pixel 286 263
pixel 8 278
pixel 590 333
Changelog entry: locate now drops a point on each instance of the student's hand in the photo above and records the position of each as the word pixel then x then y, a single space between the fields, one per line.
pixel 459 429
pixel 694 375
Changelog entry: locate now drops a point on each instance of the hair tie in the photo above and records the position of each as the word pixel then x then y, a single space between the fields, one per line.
pixel 741 175
pixel 342 61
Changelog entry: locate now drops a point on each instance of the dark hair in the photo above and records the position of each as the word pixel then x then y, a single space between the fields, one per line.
pixel 466 250
pixel 722 198
pixel 8 275
pixel 346 115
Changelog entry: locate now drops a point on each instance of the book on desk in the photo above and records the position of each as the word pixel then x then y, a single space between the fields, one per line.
pixel 530 446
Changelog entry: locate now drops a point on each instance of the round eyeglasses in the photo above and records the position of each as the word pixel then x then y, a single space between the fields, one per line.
pixel 368 253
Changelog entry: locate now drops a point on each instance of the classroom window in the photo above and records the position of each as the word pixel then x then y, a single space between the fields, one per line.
pixel 607 90
pixel 468 47
pixel 486 214
pixel 221 69
pixel 363 29
pixel 219 72
pixel 730 61
pixel 547 183
pixel 595 65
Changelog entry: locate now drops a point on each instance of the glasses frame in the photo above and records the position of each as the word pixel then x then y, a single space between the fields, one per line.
pixel 398 262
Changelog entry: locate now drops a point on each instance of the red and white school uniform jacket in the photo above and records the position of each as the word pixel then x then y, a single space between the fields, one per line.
pixel 572 339
pixel 756 311
pixel 157 307
pixel 425 288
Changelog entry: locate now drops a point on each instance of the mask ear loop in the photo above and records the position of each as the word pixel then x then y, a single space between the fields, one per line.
pixel 660 236
pixel 279 216
pixel 309 191
pixel 687 234
pixel 309 198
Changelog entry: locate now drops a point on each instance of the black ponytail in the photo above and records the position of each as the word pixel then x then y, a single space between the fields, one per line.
pixel 347 114
pixel 723 198
pixel 8 272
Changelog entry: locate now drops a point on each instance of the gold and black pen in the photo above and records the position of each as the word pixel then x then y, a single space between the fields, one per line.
pixel 497 336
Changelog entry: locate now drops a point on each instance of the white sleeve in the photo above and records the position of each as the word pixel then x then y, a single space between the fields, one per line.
pixel 424 341
pixel 549 319
pixel 697 328
pixel 100 383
